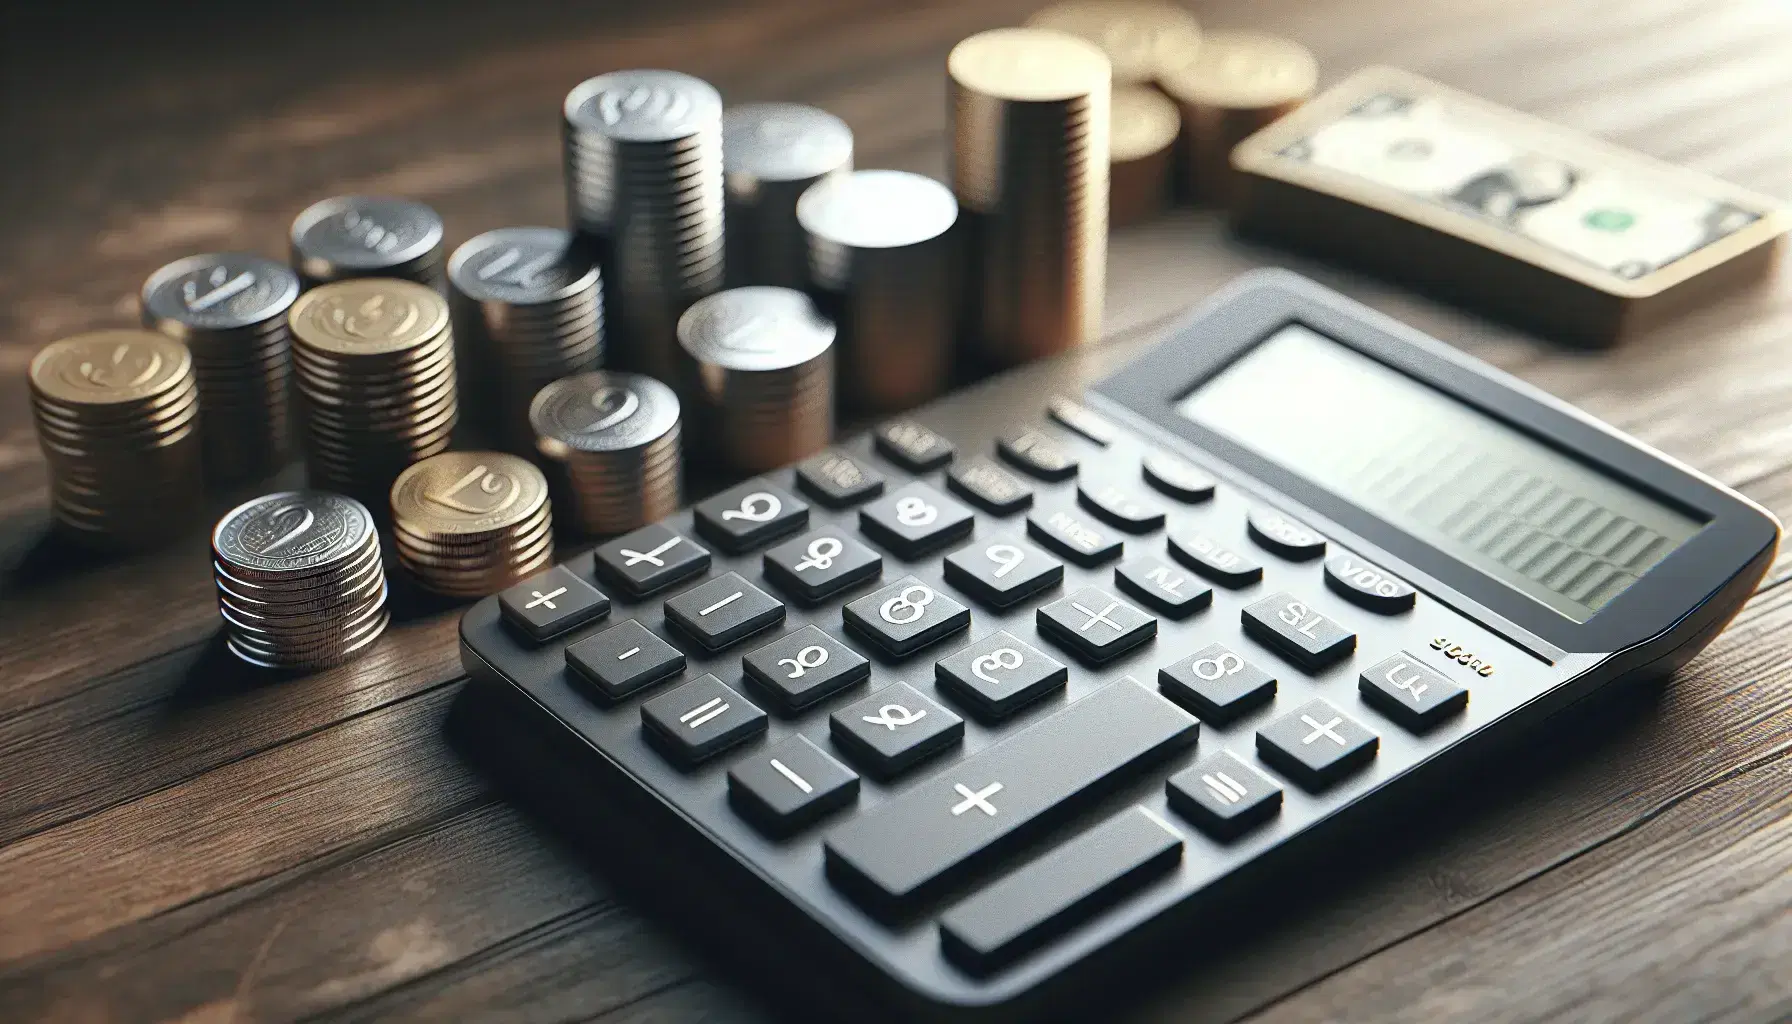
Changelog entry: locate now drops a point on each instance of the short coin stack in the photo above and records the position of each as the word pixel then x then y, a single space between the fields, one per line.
pixel 761 372
pixel 614 439
pixel 468 524
pixel 368 236
pixel 300 584
pixel 117 415
pixel 375 369
pixel 230 310
pixel 1230 86
pixel 1140 154
pixel 527 311
pixel 773 152
pixel 1140 37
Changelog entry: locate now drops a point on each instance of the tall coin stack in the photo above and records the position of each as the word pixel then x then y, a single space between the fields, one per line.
pixel 1030 111
pixel 614 440
pixel 1140 37
pixel 527 311
pixel 300 584
pixel 772 153
pixel 643 154
pixel 468 524
pixel 374 362
pixel 1228 87
pixel 230 310
pixel 761 372
pixel 368 236
pixel 884 266
pixel 117 415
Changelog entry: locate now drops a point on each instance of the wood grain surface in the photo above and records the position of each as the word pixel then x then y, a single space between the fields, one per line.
pixel 181 840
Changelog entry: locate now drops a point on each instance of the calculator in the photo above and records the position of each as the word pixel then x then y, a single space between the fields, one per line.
pixel 957 722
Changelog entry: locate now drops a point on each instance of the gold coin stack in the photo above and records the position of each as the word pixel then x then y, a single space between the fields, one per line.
pixel 117 415
pixel 1141 154
pixel 613 440
pixel 760 368
pixel 1140 37
pixel 468 524
pixel 1030 111
pixel 1230 86
pixel 375 372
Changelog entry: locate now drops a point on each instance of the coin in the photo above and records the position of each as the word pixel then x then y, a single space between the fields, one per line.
pixel 1230 86
pixel 760 368
pixel 368 236
pixel 467 524
pixel 613 439
pixel 772 153
pixel 1140 150
pixel 1138 36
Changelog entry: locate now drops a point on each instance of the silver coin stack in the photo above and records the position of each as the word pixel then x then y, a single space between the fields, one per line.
pixel 230 310
pixel 884 266
pixel 760 371
pixel 368 236
pixel 772 153
pixel 300 584
pixel 643 153
pixel 613 438
pixel 527 311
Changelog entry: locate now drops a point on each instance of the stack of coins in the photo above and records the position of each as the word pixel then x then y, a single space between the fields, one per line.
pixel 613 438
pixel 772 153
pixel 368 236
pixel 1230 86
pixel 375 371
pixel 117 415
pixel 1140 37
pixel 644 188
pixel 468 524
pixel 527 311
pixel 300 584
pixel 1030 112
pixel 1141 154
pixel 230 310
pixel 761 372
pixel 884 265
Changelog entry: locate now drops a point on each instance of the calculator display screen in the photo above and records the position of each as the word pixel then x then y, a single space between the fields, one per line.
pixel 1476 489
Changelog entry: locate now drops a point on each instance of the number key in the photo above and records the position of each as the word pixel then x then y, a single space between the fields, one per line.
pixel 914 520
pixel 989 486
pixel 913 446
pixel 799 669
pixel 742 518
pixel 821 564
pixel 1291 627
pixel 998 675
pixel 1121 507
pixel 1216 684
pixel 838 480
pixel 906 616
pixel 650 559
pixel 1004 573
pixel 1037 454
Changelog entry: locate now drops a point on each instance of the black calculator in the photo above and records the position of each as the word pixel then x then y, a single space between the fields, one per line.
pixel 957 722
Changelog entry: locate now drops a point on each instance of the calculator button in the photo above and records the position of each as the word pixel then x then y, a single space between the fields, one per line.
pixel 1284 536
pixel 1216 684
pixel 914 520
pixel 913 446
pixel 975 810
pixel 723 610
pixel 1076 537
pixel 988 486
pixel 998 675
pixel 894 729
pixel 1413 695
pixel 1002 573
pixel 1213 560
pixel 624 659
pixel 1165 587
pixel 1126 509
pixel 821 564
pixel 552 602
pixel 1079 419
pixel 837 480
pixel 1095 624
pixel 701 719
pixel 906 616
pixel 1177 478
pixel 1290 626
pixel 1061 889
pixel 742 518
pixel 1368 586
pixel 1316 744
pixel 650 559
pixel 791 785
pixel 1223 795
pixel 807 665
pixel 1036 453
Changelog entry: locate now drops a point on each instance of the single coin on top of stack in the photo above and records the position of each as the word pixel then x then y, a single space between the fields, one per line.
pixel 468 524
pixel 772 153
pixel 528 310
pixel 1139 36
pixel 300 584
pixel 613 440
pixel 1030 109
pixel 117 416
pixel 1141 154
pixel 230 310
pixel 345 237
pixel 1230 86
pixel 374 364
pixel 761 372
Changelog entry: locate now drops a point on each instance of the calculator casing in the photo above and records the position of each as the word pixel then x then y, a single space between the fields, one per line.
pixel 668 838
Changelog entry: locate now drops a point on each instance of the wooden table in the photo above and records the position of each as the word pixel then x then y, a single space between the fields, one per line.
pixel 178 841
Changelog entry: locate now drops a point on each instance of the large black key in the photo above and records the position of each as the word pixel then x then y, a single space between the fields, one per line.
pixel 742 518
pixel 701 719
pixel 1214 560
pixel 906 616
pixel 821 564
pixel 1095 624
pixel 805 666
pixel 650 559
pixel 726 609
pixel 552 602
pixel 913 446
pixel 1291 627
pixel 1316 744
pixel 1038 454
pixel 791 785
pixel 894 729
pixel 624 658
pixel 837 480
pixel 1078 538
pixel 989 486
pixel 1002 573
pixel 1416 696
pixel 974 811
pixel 1059 890
pixel 998 675
pixel 914 520
pixel 1121 507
